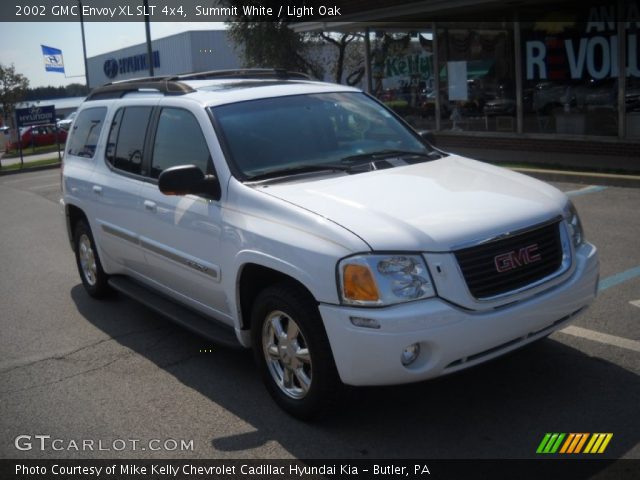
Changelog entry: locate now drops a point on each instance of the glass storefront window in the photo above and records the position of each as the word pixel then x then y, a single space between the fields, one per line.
pixel 477 77
pixel 570 73
pixel 632 93
pixel 403 76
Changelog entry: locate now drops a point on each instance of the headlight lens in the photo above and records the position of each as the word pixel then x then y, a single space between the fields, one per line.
pixel 376 280
pixel 574 224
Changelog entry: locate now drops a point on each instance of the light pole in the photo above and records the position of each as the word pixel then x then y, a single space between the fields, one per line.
pixel 147 28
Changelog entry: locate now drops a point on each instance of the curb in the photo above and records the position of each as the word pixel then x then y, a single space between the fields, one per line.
pixel 26 169
pixel 588 178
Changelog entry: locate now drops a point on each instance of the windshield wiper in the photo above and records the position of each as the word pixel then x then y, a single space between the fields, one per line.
pixel 284 172
pixel 382 154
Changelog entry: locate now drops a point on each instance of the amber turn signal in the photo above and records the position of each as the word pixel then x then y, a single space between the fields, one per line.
pixel 358 284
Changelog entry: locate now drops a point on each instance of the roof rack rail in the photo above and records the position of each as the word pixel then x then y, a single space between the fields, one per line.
pixel 279 73
pixel 173 84
pixel 163 85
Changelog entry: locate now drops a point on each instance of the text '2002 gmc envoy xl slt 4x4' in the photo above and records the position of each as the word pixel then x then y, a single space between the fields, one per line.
pixel 307 221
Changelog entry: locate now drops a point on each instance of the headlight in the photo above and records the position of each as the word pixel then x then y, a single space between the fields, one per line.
pixel 376 280
pixel 574 224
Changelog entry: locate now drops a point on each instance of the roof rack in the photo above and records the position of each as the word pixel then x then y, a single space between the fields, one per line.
pixel 173 84
pixel 269 73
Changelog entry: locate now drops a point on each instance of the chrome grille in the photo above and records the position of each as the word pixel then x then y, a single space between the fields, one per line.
pixel 510 263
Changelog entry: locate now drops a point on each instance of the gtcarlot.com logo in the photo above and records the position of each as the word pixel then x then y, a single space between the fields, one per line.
pixel 46 442
pixel 574 443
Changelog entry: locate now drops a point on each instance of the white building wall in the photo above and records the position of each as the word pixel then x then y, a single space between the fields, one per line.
pixel 185 52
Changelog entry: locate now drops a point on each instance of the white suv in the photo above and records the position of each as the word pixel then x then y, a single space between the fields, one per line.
pixel 307 221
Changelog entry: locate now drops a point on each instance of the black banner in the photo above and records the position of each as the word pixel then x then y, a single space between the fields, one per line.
pixel 308 469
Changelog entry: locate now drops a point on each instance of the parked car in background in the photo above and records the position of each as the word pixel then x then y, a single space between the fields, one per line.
pixel 40 135
pixel 66 122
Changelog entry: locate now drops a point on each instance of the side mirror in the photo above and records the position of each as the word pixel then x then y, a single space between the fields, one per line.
pixel 428 136
pixel 186 179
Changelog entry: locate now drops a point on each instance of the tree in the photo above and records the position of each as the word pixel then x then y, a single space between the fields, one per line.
pixel 349 56
pixel 273 45
pixel 12 89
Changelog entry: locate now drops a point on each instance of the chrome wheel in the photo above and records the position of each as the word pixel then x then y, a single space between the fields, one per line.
pixel 87 260
pixel 287 355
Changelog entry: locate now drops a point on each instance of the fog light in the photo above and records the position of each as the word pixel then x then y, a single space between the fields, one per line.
pixel 410 354
pixel 365 322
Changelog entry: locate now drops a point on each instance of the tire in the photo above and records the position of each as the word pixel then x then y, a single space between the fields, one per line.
pixel 89 267
pixel 296 364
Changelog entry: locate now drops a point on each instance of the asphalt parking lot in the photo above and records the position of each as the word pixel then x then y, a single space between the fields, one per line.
pixel 75 368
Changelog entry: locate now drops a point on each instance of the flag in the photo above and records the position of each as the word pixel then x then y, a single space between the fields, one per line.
pixel 53 61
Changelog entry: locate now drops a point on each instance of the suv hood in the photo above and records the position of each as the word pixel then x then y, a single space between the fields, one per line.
pixel 434 206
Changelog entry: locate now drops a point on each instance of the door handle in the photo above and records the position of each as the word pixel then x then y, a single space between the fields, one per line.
pixel 151 206
pixel 97 189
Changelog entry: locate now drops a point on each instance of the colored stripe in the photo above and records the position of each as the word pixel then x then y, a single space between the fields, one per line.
pixel 555 447
pixel 567 442
pixel 586 190
pixel 543 443
pixel 606 442
pixel 547 449
pixel 594 437
pixel 575 442
pixel 584 439
pixel 618 278
pixel 596 445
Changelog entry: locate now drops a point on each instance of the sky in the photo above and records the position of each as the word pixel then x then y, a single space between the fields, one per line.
pixel 20 44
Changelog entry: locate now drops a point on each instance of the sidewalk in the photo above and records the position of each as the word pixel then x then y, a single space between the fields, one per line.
pixel 28 158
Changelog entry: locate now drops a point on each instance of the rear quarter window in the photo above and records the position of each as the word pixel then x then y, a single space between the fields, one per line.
pixel 85 132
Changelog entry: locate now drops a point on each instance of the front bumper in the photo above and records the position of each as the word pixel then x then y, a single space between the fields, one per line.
pixel 451 338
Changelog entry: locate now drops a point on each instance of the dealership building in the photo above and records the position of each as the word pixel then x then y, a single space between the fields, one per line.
pixel 528 75
pixel 187 52
pixel 533 75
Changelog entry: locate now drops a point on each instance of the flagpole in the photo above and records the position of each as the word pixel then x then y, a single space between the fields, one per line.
pixel 84 45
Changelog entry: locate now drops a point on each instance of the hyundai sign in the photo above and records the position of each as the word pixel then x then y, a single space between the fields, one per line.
pixel 27 117
pixel 135 63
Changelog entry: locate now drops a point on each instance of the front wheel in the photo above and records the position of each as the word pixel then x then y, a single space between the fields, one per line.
pixel 91 273
pixel 293 352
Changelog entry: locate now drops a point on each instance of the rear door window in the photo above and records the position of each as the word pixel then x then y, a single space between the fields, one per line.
pixel 125 146
pixel 86 131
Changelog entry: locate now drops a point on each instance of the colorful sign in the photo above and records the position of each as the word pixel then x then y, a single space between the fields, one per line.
pixel 574 443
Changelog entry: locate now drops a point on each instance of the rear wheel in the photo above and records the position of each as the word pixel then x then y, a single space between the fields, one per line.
pixel 91 273
pixel 293 352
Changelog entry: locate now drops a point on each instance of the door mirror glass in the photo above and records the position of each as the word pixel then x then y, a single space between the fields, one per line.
pixel 188 179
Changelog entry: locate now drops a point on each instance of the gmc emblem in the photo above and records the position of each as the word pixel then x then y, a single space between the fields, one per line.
pixel 514 259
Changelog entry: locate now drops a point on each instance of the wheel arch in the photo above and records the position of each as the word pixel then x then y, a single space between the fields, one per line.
pixel 253 277
pixel 73 214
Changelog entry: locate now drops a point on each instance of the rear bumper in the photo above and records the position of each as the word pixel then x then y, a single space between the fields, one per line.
pixel 451 338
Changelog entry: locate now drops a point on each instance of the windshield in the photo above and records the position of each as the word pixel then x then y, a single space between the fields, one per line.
pixel 303 133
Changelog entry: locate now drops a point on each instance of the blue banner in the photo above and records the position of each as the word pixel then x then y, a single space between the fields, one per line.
pixel 27 117
pixel 53 61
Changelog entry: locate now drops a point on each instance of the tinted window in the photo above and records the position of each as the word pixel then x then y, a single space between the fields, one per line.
pixel 125 147
pixel 179 141
pixel 85 133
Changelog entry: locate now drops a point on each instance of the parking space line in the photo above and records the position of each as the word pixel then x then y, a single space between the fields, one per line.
pixel 635 303
pixel 618 278
pixel 586 190
pixel 605 338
